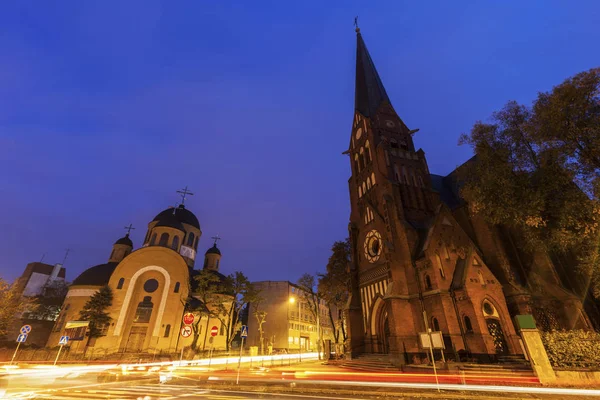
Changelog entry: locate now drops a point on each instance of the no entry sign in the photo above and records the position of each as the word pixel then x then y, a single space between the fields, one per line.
pixel 188 318
pixel 214 330
pixel 186 331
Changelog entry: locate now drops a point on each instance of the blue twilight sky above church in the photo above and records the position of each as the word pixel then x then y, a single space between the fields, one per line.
pixel 108 107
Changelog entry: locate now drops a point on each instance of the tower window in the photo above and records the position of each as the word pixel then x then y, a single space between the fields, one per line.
pixel 196 244
pixel 167 330
pixel 364 186
pixel 435 324
pixel 217 264
pixel 427 282
pixel 468 326
pixel 369 183
pixel 359 192
pixel 153 240
pixel 190 241
pixel 367 152
pixel 393 144
pixel 175 243
pixel 356 165
pixel 144 310
pixel 373 178
pixel 164 239
pixel 480 277
pixel 120 284
pixel 176 290
pixel 440 265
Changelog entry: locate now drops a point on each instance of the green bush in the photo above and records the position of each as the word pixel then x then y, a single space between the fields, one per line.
pixel 568 349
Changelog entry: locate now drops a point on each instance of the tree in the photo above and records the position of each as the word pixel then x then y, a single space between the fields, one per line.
pixel 50 301
pixel 206 292
pixel 536 171
pixel 309 292
pixel 240 292
pixel 261 318
pixel 334 286
pixel 95 311
pixel 12 305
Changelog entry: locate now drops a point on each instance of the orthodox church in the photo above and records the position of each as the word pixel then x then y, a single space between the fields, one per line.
pixel 151 286
pixel 420 260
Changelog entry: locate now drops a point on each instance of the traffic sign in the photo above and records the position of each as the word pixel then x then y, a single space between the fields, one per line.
pixel 186 331
pixel 244 331
pixel 214 330
pixel 26 329
pixel 63 340
pixel 22 338
pixel 188 318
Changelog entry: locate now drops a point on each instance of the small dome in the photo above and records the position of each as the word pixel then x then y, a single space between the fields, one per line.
pixel 213 250
pixel 125 240
pixel 169 220
pixel 98 275
pixel 182 214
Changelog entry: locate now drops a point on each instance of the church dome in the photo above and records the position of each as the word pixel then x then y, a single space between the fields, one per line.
pixel 213 250
pixel 98 275
pixel 125 240
pixel 169 220
pixel 182 214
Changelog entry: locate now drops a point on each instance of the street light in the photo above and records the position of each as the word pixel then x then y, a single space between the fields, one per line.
pixel 292 301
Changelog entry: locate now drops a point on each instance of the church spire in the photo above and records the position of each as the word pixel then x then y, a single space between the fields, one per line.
pixel 369 91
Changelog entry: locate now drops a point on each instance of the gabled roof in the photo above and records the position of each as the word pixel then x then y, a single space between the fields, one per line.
pixel 369 90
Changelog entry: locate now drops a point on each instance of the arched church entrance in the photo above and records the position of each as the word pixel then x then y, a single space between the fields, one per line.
pixel 492 320
pixel 380 328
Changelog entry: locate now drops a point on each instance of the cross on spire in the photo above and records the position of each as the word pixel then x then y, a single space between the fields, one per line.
pixel 184 192
pixel 216 238
pixel 66 254
pixel 356 22
pixel 129 228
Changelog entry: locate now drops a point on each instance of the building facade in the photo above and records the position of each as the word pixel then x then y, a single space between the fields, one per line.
pixel 419 259
pixel 152 287
pixel 289 325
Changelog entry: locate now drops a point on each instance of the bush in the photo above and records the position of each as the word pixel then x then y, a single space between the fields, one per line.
pixel 568 349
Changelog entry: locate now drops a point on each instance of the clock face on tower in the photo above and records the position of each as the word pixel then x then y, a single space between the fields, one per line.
pixel 390 124
pixel 373 246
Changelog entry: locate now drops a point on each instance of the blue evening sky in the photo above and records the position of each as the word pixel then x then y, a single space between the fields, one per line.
pixel 108 107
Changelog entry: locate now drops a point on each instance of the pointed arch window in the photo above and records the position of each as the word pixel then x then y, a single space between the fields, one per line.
pixel 144 310
pixel 153 240
pixel 359 192
pixel 367 152
pixel 361 158
pixel 468 326
pixel 120 284
pixel 364 186
pixel 175 243
pixel 356 164
pixel 446 252
pixel 164 239
pixel 167 330
pixel 373 178
pixel 480 277
pixel 176 289
pixel 369 183
pixel 440 265
pixel 217 264
pixel 190 240
pixel 427 282
pixel 435 324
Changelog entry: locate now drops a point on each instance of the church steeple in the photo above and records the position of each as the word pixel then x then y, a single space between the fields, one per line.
pixel 369 91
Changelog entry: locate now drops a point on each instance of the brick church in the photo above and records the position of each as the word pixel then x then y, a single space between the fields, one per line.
pixel 419 256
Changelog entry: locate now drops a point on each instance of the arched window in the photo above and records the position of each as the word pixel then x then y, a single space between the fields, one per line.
pixel 446 252
pixel 167 330
pixel 367 152
pixel 120 284
pixel 427 282
pixel 369 183
pixel 440 265
pixel 364 185
pixel 190 241
pixel 196 244
pixel 153 240
pixel 175 243
pixel 468 326
pixel 359 192
pixel 356 165
pixel 480 277
pixel 435 326
pixel 176 290
pixel 144 310
pixel 373 178
pixel 217 264
pixel 164 239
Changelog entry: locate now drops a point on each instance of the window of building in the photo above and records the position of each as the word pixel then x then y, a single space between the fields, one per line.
pixel 427 282
pixel 393 143
pixel 435 324
pixel 373 178
pixel 176 290
pixel 356 165
pixel 144 310
pixel 446 252
pixel 164 239
pixel 153 240
pixel 167 330
pixel 120 284
pixel 217 263
pixel 190 239
pixel 468 326
pixel 440 265
pixel 196 244
pixel 364 186
pixel 175 243
pixel 367 152
pixel 369 183
pixel 480 277
pixel 359 192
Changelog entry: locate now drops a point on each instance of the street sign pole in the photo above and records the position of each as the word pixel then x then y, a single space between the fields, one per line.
pixel 237 382
pixel 437 382
pixel 58 355
pixel 15 353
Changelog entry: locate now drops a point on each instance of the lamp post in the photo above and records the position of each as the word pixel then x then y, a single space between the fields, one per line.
pixel 292 301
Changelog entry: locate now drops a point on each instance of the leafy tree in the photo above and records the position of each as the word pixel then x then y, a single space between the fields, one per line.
pixel 206 291
pixel 50 301
pixel 310 294
pixel 95 311
pixel 261 318
pixel 12 305
pixel 239 292
pixel 334 286
pixel 536 171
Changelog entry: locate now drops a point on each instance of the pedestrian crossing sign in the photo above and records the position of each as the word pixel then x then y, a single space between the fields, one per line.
pixel 244 332
pixel 63 340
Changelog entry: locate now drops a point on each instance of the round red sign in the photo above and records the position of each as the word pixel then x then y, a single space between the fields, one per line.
pixel 188 318
pixel 213 331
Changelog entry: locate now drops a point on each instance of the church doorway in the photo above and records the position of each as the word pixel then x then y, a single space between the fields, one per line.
pixel 383 332
pixel 495 330
pixel 135 341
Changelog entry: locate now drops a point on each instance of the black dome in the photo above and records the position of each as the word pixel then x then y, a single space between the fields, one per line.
pixel 98 275
pixel 125 240
pixel 213 250
pixel 169 220
pixel 182 214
